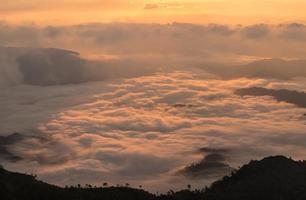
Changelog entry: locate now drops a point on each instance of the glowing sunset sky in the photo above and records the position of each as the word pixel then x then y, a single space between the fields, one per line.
pixel 153 11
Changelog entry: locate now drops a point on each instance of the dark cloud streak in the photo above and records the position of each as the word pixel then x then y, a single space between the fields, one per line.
pixel 5 142
pixel 293 97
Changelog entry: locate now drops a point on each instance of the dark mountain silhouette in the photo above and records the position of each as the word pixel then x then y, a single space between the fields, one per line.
pixel 16 186
pixel 289 96
pixel 273 178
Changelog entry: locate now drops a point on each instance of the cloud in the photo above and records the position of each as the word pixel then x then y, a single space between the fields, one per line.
pixel 294 97
pixel 256 31
pixel 262 68
pixel 9 71
pixel 33 148
pixel 177 97
pixel 138 99
pixel 106 53
pixel 276 68
pixel 213 150
pixel 211 166
pixel 130 130
pixel 5 142
pixel 136 165
pixel 52 67
pixel 49 66
pixel 190 43
pixel 46 152
pixel 169 5
pixel 150 6
pixel 294 31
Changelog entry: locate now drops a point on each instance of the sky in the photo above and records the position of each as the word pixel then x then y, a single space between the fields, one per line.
pixel 153 11
pixel 155 93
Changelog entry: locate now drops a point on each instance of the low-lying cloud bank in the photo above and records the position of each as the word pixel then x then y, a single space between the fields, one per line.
pixel 48 66
pixel 167 91
pixel 117 50
pixel 145 130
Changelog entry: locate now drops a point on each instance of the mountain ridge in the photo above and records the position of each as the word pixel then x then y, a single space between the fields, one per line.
pixel 274 177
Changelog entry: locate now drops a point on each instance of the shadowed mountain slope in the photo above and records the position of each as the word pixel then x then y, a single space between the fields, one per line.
pixel 271 178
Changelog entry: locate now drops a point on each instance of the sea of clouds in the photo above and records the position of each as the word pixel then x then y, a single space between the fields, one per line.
pixel 162 111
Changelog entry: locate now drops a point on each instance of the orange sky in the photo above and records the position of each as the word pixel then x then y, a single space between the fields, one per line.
pixel 153 11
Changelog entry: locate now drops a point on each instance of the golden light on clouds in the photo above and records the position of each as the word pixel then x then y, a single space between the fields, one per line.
pixel 153 11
